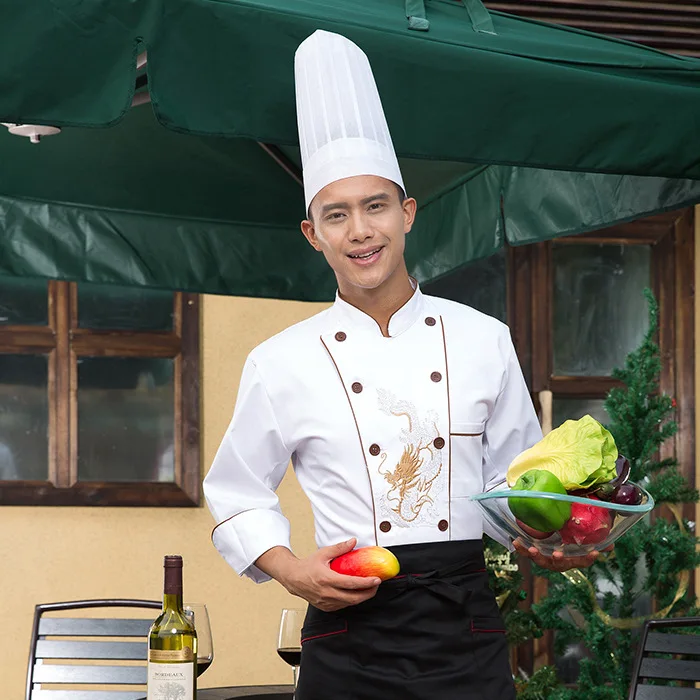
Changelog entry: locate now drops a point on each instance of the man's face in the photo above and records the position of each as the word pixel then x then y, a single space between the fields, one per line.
pixel 360 225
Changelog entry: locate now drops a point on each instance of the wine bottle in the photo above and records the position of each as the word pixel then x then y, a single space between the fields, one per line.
pixel 172 643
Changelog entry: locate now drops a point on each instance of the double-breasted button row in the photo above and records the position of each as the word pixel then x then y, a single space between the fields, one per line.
pixel 435 376
pixel 385 525
pixel 357 386
pixel 438 443
pixel 340 336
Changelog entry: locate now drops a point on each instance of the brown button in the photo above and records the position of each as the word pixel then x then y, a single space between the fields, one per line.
pixel 340 336
pixel 430 321
pixel 436 376
pixel 439 442
pixel 374 449
pixel 357 387
pixel 385 526
pixel 442 525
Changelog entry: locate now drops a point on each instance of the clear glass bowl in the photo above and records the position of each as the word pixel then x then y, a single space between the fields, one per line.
pixel 594 530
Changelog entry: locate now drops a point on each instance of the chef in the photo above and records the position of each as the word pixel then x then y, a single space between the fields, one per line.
pixel 394 408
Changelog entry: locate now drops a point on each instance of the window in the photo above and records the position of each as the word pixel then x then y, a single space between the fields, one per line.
pixel 98 395
pixel 575 308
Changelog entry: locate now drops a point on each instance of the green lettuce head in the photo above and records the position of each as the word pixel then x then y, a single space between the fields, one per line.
pixel 581 453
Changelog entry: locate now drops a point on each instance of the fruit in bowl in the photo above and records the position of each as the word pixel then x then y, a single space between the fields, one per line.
pixel 570 492
pixel 540 515
pixel 588 524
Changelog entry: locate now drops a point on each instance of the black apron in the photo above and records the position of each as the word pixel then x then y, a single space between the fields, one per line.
pixel 432 633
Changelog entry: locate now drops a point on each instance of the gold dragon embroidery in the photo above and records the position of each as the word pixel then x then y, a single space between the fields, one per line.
pixel 412 479
pixel 409 489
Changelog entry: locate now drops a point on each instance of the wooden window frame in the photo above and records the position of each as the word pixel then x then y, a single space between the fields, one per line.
pixel 529 279
pixel 63 341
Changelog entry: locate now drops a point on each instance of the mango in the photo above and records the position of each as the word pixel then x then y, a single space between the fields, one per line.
pixel 367 561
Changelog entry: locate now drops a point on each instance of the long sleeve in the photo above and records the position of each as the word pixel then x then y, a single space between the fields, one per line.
pixel 240 486
pixel 511 428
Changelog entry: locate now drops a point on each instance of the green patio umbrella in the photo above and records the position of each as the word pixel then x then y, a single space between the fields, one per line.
pixel 508 130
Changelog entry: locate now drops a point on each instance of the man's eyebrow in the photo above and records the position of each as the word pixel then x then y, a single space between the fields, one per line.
pixel 380 196
pixel 334 205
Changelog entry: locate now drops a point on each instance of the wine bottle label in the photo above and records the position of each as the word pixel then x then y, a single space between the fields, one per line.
pixel 168 681
pixel 184 654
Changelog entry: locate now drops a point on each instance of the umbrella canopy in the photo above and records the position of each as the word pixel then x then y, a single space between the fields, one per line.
pixel 507 130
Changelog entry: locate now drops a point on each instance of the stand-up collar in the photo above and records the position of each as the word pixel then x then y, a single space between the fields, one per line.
pixel 401 320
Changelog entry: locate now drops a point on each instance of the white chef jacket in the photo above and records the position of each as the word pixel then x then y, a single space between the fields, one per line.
pixel 388 436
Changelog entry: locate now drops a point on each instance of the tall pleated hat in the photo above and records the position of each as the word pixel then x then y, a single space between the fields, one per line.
pixel 342 127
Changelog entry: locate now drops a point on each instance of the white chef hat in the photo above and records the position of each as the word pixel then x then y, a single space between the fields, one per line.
pixel 342 128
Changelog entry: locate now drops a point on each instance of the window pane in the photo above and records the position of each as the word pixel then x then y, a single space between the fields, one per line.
pixel 481 284
pixel 600 313
pixel 125 419
pixel 565 409
pixel 24 302
pixel 124 308
pixel 24 417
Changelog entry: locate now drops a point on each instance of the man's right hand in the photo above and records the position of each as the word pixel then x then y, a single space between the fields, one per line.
pixel 313 580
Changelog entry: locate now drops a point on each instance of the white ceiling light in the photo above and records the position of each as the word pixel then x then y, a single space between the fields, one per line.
pixel 33 132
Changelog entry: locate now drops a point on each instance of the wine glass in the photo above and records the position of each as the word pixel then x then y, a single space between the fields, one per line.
pixel 197 613
pixel 289 641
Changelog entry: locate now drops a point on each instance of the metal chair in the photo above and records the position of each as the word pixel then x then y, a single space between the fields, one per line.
pixel 684 666
pixel 46 644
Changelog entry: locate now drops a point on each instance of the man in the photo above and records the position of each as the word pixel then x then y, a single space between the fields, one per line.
pixel 394 408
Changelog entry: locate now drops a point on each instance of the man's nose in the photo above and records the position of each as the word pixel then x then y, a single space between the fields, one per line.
pixel 360 230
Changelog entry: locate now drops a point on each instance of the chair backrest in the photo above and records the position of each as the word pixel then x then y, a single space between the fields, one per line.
pixel 665 655
pixel 84 641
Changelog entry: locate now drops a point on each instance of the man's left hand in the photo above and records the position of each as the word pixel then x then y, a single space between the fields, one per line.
pixel 557 562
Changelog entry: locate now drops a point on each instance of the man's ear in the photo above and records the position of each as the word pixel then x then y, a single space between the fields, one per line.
pixel 409 213
pixel 309 231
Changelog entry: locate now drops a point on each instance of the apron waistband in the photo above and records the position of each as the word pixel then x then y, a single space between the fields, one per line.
pixel 431 565
pixel 431 557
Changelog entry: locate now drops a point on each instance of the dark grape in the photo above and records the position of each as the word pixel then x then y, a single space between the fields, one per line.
pixel 622 467
pixel 627 495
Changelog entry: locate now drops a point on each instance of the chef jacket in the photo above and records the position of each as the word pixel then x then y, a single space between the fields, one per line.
pixel 388 436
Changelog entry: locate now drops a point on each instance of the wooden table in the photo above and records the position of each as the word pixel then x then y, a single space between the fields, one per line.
pixel 252 692
pixel 268 692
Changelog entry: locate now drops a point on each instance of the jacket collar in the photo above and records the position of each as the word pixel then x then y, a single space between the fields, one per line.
pixel 400 322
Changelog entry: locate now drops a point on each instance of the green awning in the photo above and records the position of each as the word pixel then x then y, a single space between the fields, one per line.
pixel 519 136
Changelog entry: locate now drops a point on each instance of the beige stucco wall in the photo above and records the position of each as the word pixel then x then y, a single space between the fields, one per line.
pixel 54 554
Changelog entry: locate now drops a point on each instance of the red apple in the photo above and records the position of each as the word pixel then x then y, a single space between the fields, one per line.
pixel 589 524
pixel 535 534
pixel 367 561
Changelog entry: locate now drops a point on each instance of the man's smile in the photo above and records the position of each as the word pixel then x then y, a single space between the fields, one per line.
pixel 367 255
